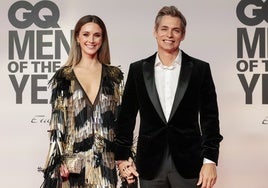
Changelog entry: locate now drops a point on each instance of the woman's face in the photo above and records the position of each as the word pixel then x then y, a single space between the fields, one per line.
pixel 90 39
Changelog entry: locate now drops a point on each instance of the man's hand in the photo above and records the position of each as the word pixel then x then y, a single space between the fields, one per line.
pixel 207 175
pixel 127 170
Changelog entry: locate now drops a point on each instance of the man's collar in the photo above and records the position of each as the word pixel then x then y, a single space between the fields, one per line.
pixel 176 62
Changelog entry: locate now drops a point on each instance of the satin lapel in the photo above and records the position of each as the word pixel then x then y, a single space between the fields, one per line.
pixel 149 80
pixel 185 74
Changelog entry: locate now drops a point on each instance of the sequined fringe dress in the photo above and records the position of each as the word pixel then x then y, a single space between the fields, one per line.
pixel 82 132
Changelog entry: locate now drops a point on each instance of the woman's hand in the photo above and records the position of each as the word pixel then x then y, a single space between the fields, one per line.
pixel 64 172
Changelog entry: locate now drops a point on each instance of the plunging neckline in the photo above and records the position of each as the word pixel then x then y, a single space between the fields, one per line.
pixel 84 91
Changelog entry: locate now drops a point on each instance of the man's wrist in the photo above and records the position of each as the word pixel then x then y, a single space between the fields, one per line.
pixel 207 161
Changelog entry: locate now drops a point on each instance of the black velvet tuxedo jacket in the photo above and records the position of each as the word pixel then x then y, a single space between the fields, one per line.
pixel 192 131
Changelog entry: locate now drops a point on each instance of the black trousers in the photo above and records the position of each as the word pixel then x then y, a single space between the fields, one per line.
pixel 168 177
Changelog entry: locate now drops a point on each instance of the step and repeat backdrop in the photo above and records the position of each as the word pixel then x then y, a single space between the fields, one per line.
pixel 231 35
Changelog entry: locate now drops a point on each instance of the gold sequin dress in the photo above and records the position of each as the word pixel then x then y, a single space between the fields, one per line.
pixel 82 132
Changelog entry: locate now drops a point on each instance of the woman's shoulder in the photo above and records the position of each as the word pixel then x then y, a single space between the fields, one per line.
pixel 64 72
pixel 114 73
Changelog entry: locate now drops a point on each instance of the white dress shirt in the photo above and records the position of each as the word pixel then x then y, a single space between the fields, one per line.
pixel 166 81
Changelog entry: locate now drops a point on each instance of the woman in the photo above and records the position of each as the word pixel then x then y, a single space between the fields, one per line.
pixel 86 93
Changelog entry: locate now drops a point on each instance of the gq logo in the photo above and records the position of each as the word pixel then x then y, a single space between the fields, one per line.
pixel 258 11
pixel 34 14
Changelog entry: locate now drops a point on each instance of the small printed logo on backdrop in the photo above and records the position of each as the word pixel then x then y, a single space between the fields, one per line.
pixel 40 119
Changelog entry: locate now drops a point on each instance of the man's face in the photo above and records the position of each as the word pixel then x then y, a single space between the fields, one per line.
pixel 169 34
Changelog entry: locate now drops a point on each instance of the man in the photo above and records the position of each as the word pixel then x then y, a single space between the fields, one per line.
pixel 179 136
